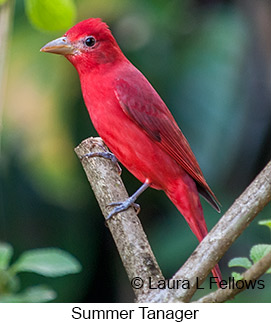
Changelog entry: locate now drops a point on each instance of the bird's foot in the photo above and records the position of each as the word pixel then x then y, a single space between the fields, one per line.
pixel 123 206
pixel 106 155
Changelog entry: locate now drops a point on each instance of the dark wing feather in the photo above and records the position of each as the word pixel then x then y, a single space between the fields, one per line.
pixel 143 105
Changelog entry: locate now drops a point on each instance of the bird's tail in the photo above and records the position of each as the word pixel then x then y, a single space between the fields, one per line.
pixel 184 194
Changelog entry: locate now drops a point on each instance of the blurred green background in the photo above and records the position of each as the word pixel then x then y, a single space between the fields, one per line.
pixel 211 63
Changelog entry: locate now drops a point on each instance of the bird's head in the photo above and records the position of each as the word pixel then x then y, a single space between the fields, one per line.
pixel 86 45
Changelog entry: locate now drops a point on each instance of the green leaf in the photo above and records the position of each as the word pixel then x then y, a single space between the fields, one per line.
pixel 257 252
pixel 36 294
pixel 240 262
pixel 265 222
pixel 50 262
pixel 8 282
pixel 6 252
pixel 236 276
pixel 2 2
pixel 51 15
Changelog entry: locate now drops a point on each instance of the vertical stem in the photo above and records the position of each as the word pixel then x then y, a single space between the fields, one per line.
pixel 6 11
pixel 126 229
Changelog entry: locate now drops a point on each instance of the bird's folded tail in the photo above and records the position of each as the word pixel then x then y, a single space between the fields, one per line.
pixel 184 194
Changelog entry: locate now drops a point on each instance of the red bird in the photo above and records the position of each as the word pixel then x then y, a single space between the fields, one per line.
pixel 135 123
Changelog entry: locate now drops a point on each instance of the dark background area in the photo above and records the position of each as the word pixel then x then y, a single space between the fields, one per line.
pixel 211 63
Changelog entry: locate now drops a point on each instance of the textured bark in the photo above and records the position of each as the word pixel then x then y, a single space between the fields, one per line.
pixel 253 273
pixel 126 229
pixel 220 238
pixel 133 245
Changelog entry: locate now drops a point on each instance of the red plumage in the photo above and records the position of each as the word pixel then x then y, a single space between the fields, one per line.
pixel 135 123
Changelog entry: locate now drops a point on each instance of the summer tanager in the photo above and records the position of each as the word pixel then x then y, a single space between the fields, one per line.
pixel 135 123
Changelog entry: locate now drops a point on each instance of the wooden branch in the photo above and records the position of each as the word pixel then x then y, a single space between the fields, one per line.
pixel 126 229
pixel 253 273
pixel 133 245
pixel 221 237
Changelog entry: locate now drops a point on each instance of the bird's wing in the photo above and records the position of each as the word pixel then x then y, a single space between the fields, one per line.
pixel 144 106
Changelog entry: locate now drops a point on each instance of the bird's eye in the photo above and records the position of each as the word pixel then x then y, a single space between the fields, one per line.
pixel 90 41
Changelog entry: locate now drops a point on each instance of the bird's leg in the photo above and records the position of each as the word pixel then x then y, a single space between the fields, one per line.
pixel 122 206
pixel 104 154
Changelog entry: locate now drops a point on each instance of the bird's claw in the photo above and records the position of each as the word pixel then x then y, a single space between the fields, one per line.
pixel 106 155
pixel 122 206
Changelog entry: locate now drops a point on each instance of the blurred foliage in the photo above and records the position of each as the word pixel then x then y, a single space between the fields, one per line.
pixel 257 252
pixel 266 223
pixel 50 262
pixel 209 61
pixel 51 15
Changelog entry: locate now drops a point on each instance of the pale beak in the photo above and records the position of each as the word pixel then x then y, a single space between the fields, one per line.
pixel 61 46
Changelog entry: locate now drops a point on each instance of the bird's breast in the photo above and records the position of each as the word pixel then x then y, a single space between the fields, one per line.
pixel 128 142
